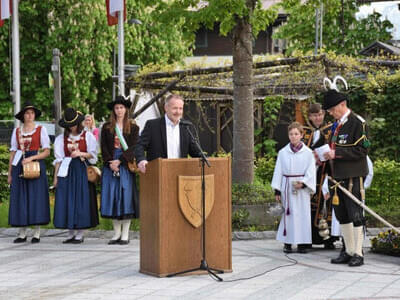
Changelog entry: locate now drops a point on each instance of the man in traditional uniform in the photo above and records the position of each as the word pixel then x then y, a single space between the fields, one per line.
pixel 317 134
pixel 348 166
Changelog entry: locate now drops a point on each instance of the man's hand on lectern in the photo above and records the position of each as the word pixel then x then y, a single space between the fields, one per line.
pixel 142 166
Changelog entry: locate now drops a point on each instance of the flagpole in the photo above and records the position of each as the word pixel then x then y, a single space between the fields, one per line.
pixel 121 55
pixel 16 93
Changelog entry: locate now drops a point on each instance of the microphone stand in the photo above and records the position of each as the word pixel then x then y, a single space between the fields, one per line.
pixel 203 264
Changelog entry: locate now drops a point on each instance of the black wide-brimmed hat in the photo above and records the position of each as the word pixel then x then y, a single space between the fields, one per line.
pixel 332 98
pixel 71 118
pixel 28 105
pixel 119 100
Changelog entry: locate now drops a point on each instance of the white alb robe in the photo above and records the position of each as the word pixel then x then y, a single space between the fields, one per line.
pixel 295 225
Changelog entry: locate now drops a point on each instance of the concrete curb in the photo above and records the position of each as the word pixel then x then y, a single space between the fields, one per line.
pixel 107 234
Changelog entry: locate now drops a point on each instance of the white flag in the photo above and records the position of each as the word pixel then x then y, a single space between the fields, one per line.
pixel 115 6
pixel 5 9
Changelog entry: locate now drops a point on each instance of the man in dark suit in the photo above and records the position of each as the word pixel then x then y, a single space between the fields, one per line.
pixel 166 137
pixel 316 134
pixel 348 158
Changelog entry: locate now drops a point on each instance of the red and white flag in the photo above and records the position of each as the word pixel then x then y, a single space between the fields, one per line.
pixel 113 7
pixel 5 10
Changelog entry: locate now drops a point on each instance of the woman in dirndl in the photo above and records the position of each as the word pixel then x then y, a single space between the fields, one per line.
pixel 119 197
pixel 29 198
pixel 75 206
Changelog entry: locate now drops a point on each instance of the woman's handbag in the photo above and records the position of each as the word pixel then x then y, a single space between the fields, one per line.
pixel 132 166
pixel 93 174
pixel 31 170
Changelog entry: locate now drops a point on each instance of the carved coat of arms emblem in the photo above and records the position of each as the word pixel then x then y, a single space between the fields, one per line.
pixel 190 198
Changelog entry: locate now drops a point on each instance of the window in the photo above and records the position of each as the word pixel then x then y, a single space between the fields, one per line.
pixel 201 38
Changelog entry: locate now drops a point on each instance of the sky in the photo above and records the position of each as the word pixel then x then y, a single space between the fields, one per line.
pixel 388 10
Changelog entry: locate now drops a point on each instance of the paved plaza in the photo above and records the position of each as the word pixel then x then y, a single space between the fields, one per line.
pixel 94 270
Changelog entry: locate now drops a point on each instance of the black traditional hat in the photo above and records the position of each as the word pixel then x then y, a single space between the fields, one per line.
pixel 28 105
pixel 71 118
pixel 332 98
pixel 119 100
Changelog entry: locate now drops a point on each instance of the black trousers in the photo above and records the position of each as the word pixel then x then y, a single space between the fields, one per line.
pixel 348 211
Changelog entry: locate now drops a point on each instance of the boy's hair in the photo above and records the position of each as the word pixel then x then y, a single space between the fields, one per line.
pixel 314 108
pixel 297 125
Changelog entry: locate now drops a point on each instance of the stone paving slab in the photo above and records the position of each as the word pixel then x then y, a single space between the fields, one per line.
pixel 95 270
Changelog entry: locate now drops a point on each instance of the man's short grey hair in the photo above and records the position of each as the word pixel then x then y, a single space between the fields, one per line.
pixel 173 96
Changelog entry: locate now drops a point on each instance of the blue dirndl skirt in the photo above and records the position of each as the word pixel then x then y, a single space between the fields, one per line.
pixel 72 208
pixel 119 196
pixel 29 198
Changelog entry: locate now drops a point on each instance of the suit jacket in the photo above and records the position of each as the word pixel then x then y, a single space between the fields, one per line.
pixel 107 144
pixel 153 141
pixel 309 131
pixel 351 153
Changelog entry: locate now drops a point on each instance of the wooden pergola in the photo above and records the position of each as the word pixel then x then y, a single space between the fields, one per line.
pixel 213 87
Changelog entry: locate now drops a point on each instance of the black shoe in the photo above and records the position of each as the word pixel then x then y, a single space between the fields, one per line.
pixel 35 240
pixel 343 258
pixel 302 249
pixel 114 242
pixel 287 248
pixel 123 242
pixel 19 240
pixel 356 261
pixel 69 241
pixel 76 241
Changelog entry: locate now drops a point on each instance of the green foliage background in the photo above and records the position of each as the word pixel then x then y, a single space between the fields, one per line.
pixel 377 99
pixel 79 29
pixel 357 34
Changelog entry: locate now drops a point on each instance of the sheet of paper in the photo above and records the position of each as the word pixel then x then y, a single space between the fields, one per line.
pixel 63 170
pixel 321 151
pixel 17 157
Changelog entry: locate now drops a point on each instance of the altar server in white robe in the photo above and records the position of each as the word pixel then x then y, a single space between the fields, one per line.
pixel 294 182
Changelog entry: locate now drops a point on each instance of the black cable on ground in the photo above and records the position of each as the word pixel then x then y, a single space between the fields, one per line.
pixel 294 262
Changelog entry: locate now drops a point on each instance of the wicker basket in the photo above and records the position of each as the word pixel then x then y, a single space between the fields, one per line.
pixel 31 170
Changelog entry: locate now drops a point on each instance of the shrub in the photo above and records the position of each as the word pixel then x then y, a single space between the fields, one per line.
pixel 255 193
pixel 239 218
pixel 264 169
pixel 4 159
pixel 264 143
pixel 385 188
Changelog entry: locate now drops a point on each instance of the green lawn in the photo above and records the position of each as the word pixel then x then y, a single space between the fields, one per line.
pixel 105 224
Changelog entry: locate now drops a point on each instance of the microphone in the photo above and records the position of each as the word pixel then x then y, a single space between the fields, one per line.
pixel 185 123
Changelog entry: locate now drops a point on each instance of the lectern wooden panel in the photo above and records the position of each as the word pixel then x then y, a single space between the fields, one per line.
pixel 168 242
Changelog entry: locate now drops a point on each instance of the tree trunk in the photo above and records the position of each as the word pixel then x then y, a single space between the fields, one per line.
pixel 243 115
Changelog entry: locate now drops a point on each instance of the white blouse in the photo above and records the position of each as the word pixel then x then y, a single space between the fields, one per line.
pixel 91 145
pixel 44 138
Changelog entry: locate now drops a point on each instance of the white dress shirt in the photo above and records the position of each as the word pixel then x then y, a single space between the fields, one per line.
pixel 316 136
pixel 343 119
pixel 173 139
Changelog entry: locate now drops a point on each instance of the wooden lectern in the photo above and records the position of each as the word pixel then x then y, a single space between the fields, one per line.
pixel 169 243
